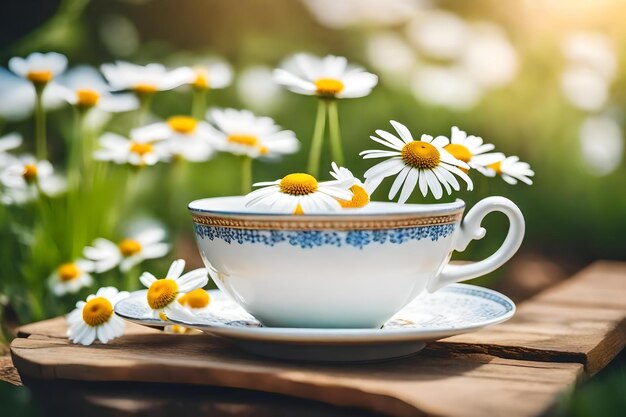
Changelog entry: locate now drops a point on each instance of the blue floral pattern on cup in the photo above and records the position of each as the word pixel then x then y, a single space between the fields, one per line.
pixel 307 239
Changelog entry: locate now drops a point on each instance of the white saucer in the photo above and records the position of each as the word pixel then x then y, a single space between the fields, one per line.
pixel 455 309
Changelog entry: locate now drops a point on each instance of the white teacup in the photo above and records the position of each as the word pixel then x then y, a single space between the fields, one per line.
pixel 350 269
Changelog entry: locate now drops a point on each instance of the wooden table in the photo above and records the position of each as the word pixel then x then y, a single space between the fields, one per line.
pixel 556 339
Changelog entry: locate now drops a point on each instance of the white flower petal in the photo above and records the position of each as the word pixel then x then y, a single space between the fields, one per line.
pixel 402 130
pixel 409 185
pixel 433 183
pixel 192 280
pixel 387 168
pixel 397 183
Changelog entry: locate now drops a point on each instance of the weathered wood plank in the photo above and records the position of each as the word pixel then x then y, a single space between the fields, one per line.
pixel 8 373
pixel 525 362
pixel 581 320
pixel 432 383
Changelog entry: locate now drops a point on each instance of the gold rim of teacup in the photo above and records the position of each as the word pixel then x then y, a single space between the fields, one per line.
pixel 328 223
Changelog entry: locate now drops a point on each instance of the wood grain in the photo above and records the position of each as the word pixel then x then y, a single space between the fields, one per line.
pixel 581 320
pixel 432 383
pixel 515 369
pixel 8 373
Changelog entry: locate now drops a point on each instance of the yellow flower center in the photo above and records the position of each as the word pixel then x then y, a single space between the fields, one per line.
pixel 182 124
pixel 40 77
pixel 30 172
pixel 162 293
pixel 175 328
pixel 129 247
pixel 202 79
pixel 197 298
pixel 97 311
pixel 460 152
pixel 496 166
pixel 298 184
pixel 248 140
pixel 141 148
pixel 145 88
pixel 328 87
pixel 421 155
pixel 87 98
pixel 360 198
pixel 68 272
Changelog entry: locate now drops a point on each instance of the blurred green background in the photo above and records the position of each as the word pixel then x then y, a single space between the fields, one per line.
pixel 541 80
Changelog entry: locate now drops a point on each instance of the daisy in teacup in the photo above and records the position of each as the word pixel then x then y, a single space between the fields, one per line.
pixel 39 68
pixel 330 76
pixel 8 143
pixel 179 137
pixel 512 170
pixel 211 74
pixel 71 277
pixel 300 194
pixel 146 79
pixel 423 162
pixel 471 150
pixel 138 150
pixel 241 132
pixel 85 88
pixel 128 252
pixel 94 318
pixel 163 294
pixel 360 196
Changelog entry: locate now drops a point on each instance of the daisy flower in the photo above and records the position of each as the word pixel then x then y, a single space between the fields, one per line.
pixel 511 169
pixel 145 79
pixel 94 318
pixel 39 68
pixel 471 150
pixel 360 197
pixel 179 137
pixel 18 96
pixel 330 77
pixel 163 293
pixel 25 176
pixel 85 88
pixel 130 251
pixel 8 143
pixel 424 162
pixel 211 74
pixel 299 194
pixel 71 277
pixel 139 150
pixel 242 133
pixel 196 300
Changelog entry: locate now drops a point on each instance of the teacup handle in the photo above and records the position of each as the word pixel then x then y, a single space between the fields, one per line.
pixel 470 230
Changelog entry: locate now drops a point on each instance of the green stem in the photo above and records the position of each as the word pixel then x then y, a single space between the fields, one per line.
pixel 76 150
pixel 198 103
pixel 145 100
pixel 40 124
pixel 132 173
pixel 131 279
pixel 318 138
pixel 177 203
pixel 246 174
pixel 335 133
